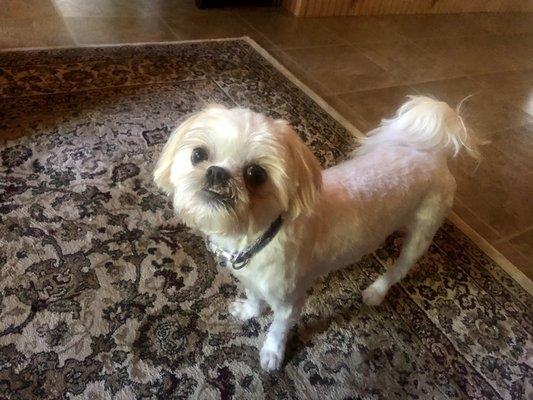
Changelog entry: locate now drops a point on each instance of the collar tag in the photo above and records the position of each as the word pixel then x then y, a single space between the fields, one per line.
pixel 240 260
pixel 224 258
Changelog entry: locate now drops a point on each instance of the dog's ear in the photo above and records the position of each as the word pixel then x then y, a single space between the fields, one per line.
pixel 304 172
pixel 164 164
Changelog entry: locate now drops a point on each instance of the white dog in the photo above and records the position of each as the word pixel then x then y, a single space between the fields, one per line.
pixel 278 222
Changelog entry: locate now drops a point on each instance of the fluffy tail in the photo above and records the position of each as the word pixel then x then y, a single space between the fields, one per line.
pixel 425 124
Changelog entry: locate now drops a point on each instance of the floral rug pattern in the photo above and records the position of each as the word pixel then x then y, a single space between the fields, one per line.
pixel 105 295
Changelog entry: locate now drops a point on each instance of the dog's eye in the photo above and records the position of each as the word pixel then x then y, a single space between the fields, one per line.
pixel 254 175
pixel 199 154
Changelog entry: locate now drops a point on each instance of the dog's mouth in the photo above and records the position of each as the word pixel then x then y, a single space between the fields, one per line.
pixel 219 195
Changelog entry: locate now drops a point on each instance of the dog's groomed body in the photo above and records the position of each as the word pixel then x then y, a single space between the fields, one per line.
pixel 397 180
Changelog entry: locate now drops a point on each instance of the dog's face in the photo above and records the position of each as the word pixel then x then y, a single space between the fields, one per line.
pixel 233 171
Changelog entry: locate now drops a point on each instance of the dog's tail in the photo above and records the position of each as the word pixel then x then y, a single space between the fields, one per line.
pixel 425 124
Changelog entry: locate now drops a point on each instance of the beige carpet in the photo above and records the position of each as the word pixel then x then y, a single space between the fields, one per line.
pixel 104 295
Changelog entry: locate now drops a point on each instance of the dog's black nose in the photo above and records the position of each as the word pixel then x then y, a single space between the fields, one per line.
pixel 216 175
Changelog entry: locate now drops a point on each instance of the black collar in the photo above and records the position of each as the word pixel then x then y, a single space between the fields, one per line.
pixel 240 259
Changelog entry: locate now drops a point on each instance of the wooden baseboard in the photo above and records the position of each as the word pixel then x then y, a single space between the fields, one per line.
pixel 318 8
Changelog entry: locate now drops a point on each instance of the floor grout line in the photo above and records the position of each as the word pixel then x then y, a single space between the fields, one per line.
pixel 257 31
pixel 165 23
pixel 513 235
pixel 64 22
pixel 493 230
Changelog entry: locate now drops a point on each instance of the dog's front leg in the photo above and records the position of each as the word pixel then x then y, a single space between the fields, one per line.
pixel 250 307
pixel 271 354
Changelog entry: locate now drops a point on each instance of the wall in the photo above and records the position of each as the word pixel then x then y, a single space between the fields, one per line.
pixel 314 8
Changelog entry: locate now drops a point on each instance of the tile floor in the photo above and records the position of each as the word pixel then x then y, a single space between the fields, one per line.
pixel 363 66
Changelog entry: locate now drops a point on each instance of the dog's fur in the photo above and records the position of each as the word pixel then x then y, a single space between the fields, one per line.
pixel 398 179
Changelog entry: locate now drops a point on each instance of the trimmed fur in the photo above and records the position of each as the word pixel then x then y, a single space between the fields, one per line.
pixel 398 179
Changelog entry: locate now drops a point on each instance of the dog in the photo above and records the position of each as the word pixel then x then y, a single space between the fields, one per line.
pixel 271 215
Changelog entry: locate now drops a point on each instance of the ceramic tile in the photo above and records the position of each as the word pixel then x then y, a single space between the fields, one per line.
pixel 118 30
pixel 474 222
pixel 436 25
pixel 499 191
pixel 484 112
pixel 296 68
pixel 347 69
pixel 82 8
pixel 287 31
pixel 523 262
pixel 357 30
pixel 122 8
pixel 355 118
pixel 157 7
pixel 524 243
pixel 409 63
pixel 514 87
pixel 170 7
pixel 504 23
pixel 373 105
pixel 519 49
pixel 516 143
pixel 36 32
pixel 473 55
pixel 27 8
pixel 213 24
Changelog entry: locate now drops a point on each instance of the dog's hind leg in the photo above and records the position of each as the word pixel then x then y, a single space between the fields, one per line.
pixel 419 235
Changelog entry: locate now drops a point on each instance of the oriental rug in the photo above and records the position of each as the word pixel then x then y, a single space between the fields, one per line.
pixel 105 295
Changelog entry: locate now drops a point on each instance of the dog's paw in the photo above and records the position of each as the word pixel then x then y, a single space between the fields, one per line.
pixel 270 359
pixel 374 295
pixel 243 310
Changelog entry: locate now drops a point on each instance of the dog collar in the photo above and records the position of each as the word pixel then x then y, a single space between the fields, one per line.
pixel 240 259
